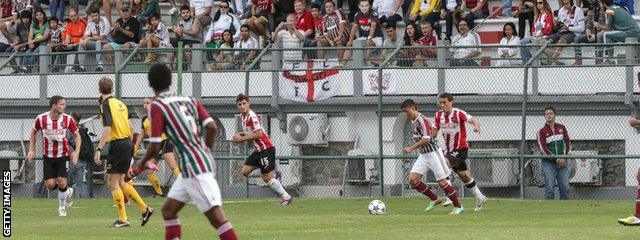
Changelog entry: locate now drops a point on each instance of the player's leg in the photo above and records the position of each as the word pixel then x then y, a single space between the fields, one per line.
pixel 251 163
pixel 64 192
pixel 153 179
pixel 458 161
pixel 418 169
pixel 125 151
pixel 170 157
pixel 205 193
pixel 436 162
pixel 267 169
pixel 118 197
pixel 176 198
pixel 219 221
pixel 50 169
pixel 635 219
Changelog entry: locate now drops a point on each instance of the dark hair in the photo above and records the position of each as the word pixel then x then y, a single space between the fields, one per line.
pixel 552 108
pixel 159 77
pixel 245 26
pixel 513 27
pixel 154 15
pixel 72 9
pixel 417 35
pixel 76 115
pixel 390 26
pixel 93 10
pixel 330 1
pixel 216 16
pixel 26 14
pixel 55 99
pixel 446 95
pixel 462 20
pixel 44 19
pixel 241 97
pixel 225 42
pixel 607 2
pixel 315 5
pixel 67 20
pixel 53 19
pixel 408 103
pixel 185 7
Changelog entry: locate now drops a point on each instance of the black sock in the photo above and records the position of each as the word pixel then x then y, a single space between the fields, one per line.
pixel 471 184
pixel 54 187
pixel 63 189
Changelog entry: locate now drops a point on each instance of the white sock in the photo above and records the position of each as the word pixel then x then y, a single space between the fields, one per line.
pixel 475 190
pixel 276 186
pixel 62 197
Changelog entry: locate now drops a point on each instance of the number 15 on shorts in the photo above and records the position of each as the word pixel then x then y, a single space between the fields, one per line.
pixel 264 162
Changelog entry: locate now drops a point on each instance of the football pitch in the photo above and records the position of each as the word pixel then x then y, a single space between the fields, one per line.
pixel 345 218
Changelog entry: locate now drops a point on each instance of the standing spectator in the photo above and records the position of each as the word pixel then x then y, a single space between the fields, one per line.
pixel 248 46
pixel 304 22
pixel 543 28
pixel 73 33
pixel 223 20
pixel 94 37
pixel 507 55
pixel 225 58
pixel 365 27
pixel 447 11
pixel 77 172
pixel 259 21
pixel 56 8
pixel 148 7
pixel 37 36
pixel 463 56
pixel 22 30
pixel 553 139
pixel 202 10
pixel 571 21
pixel 291 37
pixel 335 26
pixel 477 9
pixel 189 31
pixel 427 10
pixel 526 13
pixel 620 25
pixel 426 40
pixel 318 31
pixel 125 32
pixel 595 14
pixel 157 37
pixel 388 11
pixel 411 37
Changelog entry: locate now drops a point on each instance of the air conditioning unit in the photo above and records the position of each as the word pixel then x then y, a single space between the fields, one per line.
pixel 494 172
pixel 587 170
pixel 308 129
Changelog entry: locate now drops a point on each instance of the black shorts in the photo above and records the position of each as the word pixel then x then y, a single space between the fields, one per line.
pixel 265 160
pixel 55 167
pixel 119 157
pixel 165 147
pixel 458 160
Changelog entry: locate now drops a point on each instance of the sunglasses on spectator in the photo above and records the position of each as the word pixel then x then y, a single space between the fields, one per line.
pixel 223 6
pixel 539 2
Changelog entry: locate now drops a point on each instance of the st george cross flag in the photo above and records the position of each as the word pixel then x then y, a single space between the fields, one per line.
pixel 309 81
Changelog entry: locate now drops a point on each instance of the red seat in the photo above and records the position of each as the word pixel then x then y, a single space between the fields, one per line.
pixel 490 37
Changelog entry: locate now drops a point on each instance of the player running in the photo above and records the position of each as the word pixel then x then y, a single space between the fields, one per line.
pixel 430 158
pixel 264 156
pixel 182 119
pixel 453 123
pixel 166 151
pixel 55 149
pixel 117 131
pixel 635 219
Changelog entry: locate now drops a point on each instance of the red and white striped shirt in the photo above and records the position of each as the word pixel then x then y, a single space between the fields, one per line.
pixel 54 134
pixel 251 123
pixel 453 128
pixel 421 129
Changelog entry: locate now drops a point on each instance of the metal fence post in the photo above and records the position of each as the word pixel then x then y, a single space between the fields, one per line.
pixel 630 57
pixel 442 61
pixel 118 59
pixel 358 61
pixel 180 61
pixel 43 69
pixel 197 67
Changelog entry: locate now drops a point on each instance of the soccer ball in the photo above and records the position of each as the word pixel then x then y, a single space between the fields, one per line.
pixel 377 207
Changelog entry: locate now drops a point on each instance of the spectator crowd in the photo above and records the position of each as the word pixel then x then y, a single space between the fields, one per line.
pixel 234 30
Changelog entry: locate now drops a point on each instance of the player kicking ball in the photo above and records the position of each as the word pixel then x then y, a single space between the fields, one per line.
pixel 264 156
pixel 182 119
pixel 55 149
pixel 452 123
pixel 430 158
pixel 635 219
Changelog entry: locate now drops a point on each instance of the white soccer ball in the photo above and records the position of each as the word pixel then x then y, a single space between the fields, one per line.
pixel 377 207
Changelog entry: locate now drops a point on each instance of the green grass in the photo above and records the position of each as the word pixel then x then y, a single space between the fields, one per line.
pixel 337 219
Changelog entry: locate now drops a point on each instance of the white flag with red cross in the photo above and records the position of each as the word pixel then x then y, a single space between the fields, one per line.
pixel 309 81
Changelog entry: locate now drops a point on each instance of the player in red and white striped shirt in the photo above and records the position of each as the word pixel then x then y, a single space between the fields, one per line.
pixel 452 122
pixel 54 125
pixel 264 156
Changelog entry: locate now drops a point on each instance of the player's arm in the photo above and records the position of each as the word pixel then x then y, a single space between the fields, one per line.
pixel 107 121
pixel 208 124
pixel 255 135
pixel 157 128
pixel 424 141
pixel 32 140
pixel 475 123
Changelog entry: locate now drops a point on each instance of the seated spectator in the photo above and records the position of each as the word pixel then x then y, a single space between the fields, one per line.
pixel 56 8
pixel 365 27
pixel 222 20
pixel 95 35
pixel 54 37
pixel 448 10
pixel 37 36
pixel 22 30
pixel 335 26
pixel 620 25
pixel 508 55
pixel 124 33
pixel 157 37
pixel 427 10
pixel 595 14
pixel 6 39
pixel 626 4
pixel 189 30
pixel 463 56
pixel 225 58
pixel 248 44
pixel 142 10
pixel 390 43
pixel 304 22
pixel 525 13
pixel 387 11
pixel 570 24
pixel 318 32
pixel 261 12
pixel 542 29
pixel 73 33
pixel 477 9
pixel 291 37
pixel 202 10
pixel 411 37
pixel 427 39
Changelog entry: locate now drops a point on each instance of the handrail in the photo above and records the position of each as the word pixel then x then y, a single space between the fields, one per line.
pixel 4 64
pixel 126 60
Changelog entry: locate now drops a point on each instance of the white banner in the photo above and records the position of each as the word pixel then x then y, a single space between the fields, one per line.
pixel 309 81
pixel 370 81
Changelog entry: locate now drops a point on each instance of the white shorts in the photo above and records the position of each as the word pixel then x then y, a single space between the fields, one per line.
pixel 202 190
pixel 376 40
pixel 434 161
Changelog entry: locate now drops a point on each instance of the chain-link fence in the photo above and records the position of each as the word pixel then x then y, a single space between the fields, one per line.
pixel 337 133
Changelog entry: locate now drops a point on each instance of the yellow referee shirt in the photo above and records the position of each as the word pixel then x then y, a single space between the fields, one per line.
pixel 115 114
